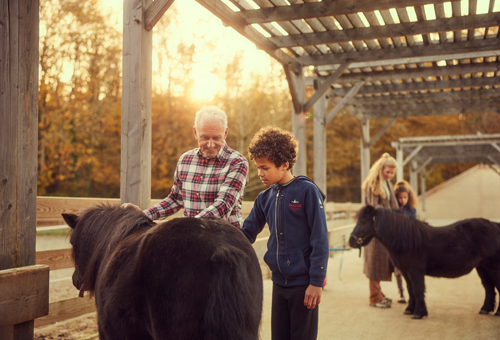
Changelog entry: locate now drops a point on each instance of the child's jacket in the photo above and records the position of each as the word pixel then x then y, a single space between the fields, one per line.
pixel 297 249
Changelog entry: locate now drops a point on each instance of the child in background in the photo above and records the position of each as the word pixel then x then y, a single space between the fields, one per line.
pixel 297 249
pixel 407 201
pixel 406 198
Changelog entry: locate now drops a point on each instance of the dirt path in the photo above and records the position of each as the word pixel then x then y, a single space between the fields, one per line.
pixel 453 306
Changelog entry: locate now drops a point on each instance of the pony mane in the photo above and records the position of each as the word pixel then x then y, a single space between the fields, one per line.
pixel 98 231
pixel 400 232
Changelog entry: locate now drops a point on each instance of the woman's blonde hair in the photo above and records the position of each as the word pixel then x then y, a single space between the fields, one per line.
pixel 404 186
pixel 373 180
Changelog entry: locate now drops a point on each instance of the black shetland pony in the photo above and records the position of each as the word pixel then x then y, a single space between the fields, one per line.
pixel 187 278
pixel 418 249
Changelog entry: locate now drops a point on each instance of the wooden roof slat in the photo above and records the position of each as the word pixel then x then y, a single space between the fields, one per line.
pixel 319 26
pixel 445 50
pixel 325 8
pixel 403 17
pixel 236 22
pixel 457 12
pixel 374 22
pixel 430 96
pixel 386 15
pixel 472 11
pixel 440 25
pixel 269 28
pixel 358 23
pixel 344 21
pixel 426 85
pixel 286 25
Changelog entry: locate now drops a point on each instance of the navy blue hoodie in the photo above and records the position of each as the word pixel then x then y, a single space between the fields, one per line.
pixel 297 249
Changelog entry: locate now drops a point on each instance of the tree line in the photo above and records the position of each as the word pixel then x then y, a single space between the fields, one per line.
pixel 80 109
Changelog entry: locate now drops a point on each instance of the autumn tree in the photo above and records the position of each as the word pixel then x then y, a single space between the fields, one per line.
pixel 79 100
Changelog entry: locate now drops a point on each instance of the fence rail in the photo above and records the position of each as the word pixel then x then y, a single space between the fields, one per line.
pixel 49 210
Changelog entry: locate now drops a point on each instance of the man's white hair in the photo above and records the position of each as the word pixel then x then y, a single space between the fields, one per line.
pixel 211 114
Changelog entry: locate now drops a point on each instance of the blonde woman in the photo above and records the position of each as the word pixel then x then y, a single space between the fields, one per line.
pixel 379 192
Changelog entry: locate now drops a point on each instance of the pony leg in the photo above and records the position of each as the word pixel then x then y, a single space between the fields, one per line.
pixel 489 287
pixel 411 301
pixel 418 287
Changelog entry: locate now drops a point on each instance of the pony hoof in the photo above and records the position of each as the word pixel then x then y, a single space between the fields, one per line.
pixel 417 317
pixel 483 312
pixel 408 312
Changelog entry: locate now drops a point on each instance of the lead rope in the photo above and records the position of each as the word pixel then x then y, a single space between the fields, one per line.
pixel 342 257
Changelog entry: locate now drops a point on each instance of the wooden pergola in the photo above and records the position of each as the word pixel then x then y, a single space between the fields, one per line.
pixel 433 150
pixel 377 59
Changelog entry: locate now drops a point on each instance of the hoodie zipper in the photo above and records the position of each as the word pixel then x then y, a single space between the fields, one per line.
pixel 277 236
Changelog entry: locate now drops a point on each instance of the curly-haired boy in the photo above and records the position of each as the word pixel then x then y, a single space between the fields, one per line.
pixel 297 250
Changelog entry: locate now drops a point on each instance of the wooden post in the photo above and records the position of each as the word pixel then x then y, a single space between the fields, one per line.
pixel 320 143
pixel 365 153
pixel 135 177
pixel 298 121
pixel 400 167
pixel 414 176
pixel 19 141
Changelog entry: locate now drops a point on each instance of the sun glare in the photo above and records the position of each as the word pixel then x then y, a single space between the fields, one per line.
pixel 205 87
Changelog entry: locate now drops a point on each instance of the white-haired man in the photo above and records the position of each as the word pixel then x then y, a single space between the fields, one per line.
pixel 209 180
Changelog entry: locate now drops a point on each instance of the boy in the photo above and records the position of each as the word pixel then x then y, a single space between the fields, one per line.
pixel 297 249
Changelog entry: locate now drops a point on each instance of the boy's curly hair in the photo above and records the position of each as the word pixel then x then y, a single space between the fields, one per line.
pixel 277 145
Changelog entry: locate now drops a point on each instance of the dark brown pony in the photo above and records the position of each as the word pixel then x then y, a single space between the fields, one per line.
pixel 418 249
pixel 188 278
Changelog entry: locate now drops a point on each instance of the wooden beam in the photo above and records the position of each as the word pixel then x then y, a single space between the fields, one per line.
pixel 155 11
pixel 325 85
pixel 25 294
pixel 495 146
pixel 421 72
pixel 325 8
pixel 422 167
pixel 295 87
pixel 429 105
pixel 431 96
pixel 234 20
pixel 381 132
pixel 56 259
pixel 445 51
pixel 413 60
pixel 388 31
pixel 135 177
pixel 446 111
pixel 352 92
pixel 412 155
pixel 420 86
pixel 67 309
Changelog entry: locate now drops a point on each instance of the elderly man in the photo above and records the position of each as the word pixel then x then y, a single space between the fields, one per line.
pixel 209 180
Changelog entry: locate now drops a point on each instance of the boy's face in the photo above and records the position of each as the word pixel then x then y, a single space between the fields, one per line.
pixel 402 198
pixel 270 174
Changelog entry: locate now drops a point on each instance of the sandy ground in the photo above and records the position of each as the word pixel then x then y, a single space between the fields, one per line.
pixel 453 306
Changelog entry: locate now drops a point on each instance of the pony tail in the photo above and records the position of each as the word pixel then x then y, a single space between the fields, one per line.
pixel 225 319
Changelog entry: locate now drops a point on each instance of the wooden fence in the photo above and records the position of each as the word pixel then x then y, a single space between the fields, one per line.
pixel 49 210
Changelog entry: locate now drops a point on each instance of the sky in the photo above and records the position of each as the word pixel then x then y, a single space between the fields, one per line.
pixel 190 13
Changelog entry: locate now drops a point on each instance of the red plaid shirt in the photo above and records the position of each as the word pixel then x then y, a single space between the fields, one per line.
pixel 206 187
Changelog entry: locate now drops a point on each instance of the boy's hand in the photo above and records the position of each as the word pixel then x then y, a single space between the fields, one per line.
pixel 313 296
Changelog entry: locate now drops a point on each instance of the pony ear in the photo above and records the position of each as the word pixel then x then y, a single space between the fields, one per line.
pixel 70 220
pixel 370 210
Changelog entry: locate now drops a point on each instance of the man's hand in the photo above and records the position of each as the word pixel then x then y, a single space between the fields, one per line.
pixel 313 296
pixel 130 206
